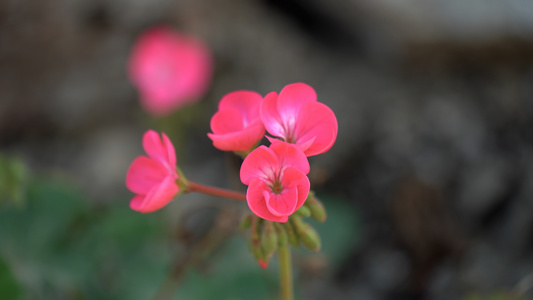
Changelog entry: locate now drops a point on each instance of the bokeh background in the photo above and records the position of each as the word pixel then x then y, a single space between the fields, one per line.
pixel 429 186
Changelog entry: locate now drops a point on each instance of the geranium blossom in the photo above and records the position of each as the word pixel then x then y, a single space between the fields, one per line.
pixel 296 117
pixel 237 125
pixel 153 177
pixel 276 179
pixel 169 69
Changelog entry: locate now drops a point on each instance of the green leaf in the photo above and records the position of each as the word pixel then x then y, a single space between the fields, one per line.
pixel 9 287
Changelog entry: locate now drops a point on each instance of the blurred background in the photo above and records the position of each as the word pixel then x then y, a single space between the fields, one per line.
pixel 429 187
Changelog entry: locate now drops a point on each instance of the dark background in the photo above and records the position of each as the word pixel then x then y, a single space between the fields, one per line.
pixel 429 186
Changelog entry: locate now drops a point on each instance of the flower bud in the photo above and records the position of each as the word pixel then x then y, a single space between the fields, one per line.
pixel 291 235
pixel 246 222
pixel 256 251
pixel 254 245
pixel 268 239
pixel 318 212
pixel 308 235
pixel 304 211
pixel 283 238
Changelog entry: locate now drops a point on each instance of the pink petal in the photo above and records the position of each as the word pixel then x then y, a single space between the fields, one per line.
pixel 295 187
pixel 271 116
pixel 153 146
pixel 227 121
pixel 316 123
pixel 290 155
pixel 242 140
pixel 293 96
pixel 293 177
pixel 144 173
pixel 196 67
pixel 157 197
pixel 247 102
pixel 171 152
pixel 255 196
pixel 261 163
pixel 282 204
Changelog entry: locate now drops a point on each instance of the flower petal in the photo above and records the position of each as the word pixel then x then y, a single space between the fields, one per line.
pixel 290 155
pixel 144 173
pixel 154 147
pixel 255 196
pixel 295 187
pixel 195 67
pixel 293 96
pixel 271 116
pixel 293 177
pixel 247 102
pixel 318 123
pixel 171 152
pixel 157 197
pixel 242 140
pixel 169 69
pixel 227 121
pixel 282 204
pixel 261 163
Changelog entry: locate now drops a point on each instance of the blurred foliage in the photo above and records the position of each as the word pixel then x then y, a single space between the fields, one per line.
pixel 13 178
pixel 61 246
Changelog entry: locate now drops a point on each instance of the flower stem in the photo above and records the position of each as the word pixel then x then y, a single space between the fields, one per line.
pixel 285 272
pixel 209 190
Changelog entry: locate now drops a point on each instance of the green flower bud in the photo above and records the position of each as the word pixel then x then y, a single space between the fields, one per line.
pixel 291 235
pixel 253 244
pixel 268 239
pixel 256 251
pixel 304 211
pixel 283 238
pixel 308 235
pixel 318 212
pixel 246 222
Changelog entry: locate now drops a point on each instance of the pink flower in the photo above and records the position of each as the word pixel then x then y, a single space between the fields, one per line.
pixel 276 179
pixel 169 69
pixel 153 178
pixel 295 116
pixel 237 125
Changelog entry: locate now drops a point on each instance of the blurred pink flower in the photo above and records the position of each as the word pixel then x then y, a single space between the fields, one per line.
pixel 169 69
pixel 153 178
pixel 295 116
pixel 276 179
pixel 237 125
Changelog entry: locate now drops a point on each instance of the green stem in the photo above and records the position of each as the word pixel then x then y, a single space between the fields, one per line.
pixel 209 190
pixel 285 272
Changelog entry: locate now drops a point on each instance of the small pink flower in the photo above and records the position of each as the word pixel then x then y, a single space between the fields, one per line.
pixel 237 125
pixel 153 178
pixel 169 69
pixel 276 179
pixel 295 116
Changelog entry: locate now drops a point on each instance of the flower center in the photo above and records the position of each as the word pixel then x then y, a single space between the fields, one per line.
pixel 289 128
pixel 277 188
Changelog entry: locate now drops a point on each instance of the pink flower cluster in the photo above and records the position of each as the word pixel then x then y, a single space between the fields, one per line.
pixel 276 175
pixel 300 125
